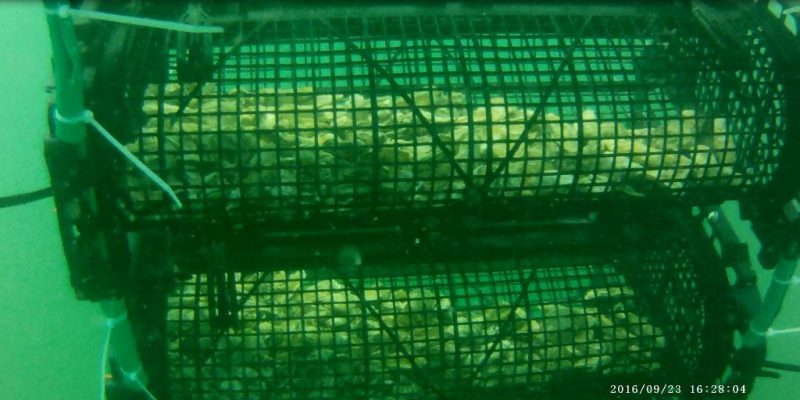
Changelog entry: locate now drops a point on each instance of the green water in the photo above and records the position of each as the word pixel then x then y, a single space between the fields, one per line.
pixel 50 342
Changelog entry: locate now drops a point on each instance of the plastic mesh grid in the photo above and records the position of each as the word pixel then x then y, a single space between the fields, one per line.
pixel 477 329
pixel 346 115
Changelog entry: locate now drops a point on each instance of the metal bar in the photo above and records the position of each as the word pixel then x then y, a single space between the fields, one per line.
pixel 599 10
pixel 398 89
pixel 376 140
pixel 540 107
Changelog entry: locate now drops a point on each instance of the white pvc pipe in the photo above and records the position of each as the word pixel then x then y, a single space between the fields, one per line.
pixel 121 343
pixel 782 278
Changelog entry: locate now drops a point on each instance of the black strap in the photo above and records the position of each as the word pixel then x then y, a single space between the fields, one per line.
pixel 781 366
pixel 24 198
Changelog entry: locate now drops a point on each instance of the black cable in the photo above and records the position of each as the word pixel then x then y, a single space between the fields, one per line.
pixel 781 366
pixel 24 198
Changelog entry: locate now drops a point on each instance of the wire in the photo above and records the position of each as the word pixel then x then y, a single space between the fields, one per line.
pixel 25 198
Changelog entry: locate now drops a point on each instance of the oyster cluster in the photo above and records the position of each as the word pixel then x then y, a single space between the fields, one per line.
pixel 299 337
pixel 278 147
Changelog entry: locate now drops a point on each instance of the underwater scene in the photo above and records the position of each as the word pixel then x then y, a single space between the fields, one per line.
pixel 244 200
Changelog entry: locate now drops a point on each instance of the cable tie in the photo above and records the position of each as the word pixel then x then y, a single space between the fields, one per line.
pixel 65 11
pixel 762 334
pixel 775 332
pixel 112 322
pixel 133 378
pixel 83 117
pixel 791 281
pixel 86 116
pixel 791 10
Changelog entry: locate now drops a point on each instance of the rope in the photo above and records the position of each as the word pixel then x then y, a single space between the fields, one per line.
pixel 88 117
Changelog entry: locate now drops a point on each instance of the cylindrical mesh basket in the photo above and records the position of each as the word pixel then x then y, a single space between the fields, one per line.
pixel 514 328
pixel 325 112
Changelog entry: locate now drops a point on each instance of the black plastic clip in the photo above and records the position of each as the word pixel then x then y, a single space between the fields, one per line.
pixel 195 50
pixel 778 230
pixel 735 254
pixel 222 301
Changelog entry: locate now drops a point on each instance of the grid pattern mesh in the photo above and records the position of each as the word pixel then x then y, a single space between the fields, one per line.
pixel 439 331
pixel 357 115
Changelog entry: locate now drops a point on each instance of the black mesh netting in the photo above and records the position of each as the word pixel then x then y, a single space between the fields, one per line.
pixel 440 331
pixel 356 115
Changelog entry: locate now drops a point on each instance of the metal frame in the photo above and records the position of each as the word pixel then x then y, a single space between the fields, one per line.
pixel 97 215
